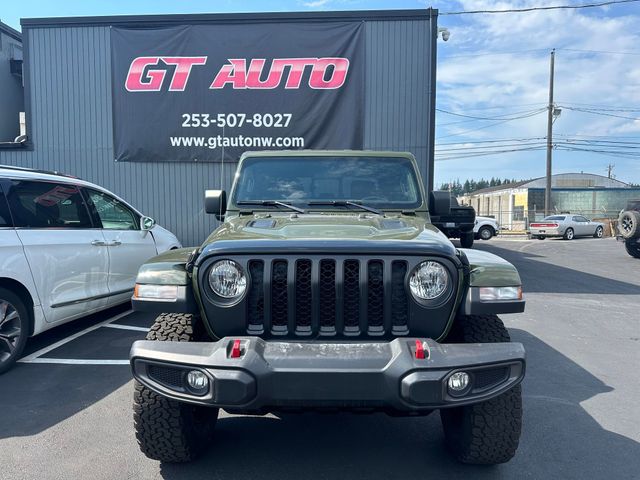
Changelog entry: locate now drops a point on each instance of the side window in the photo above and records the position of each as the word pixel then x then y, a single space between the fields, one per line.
pixel 47 205
pixel 583 219
pixel 5 216
pixel 113 214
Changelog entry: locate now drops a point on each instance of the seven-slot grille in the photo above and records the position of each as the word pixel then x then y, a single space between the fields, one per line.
pixel 325 296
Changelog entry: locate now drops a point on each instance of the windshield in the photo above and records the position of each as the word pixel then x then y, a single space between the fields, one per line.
pixel 380 182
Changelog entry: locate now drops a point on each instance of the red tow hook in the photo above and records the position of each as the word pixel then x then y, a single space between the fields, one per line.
pixel 236 352
pixel 421 353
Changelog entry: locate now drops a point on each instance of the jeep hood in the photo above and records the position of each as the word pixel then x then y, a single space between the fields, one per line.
pixel 323 231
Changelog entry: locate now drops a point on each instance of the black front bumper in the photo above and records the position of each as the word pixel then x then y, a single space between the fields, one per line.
pixel 271 376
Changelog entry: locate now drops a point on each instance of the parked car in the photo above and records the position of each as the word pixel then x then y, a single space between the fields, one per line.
pixel 485 228
pixel 68 248
pixel 331 298
pixel 567 226
pixel 629 227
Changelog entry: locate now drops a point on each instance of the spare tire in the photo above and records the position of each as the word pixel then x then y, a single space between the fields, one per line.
pixel 440 202
pixel 629 224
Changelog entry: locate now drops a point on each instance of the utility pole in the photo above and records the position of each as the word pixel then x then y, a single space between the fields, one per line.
pixel 547 192
pixel 610 170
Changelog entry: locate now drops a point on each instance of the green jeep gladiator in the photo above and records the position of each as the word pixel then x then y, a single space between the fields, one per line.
pixel 326 288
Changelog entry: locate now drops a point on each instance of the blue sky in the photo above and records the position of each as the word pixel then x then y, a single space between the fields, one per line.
pixel 494 68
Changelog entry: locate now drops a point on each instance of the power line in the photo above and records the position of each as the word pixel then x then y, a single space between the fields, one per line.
pixel 486 54
pixel 552 7
pixel 484 154
pixel 594 112
pixel 595 136
pixel 494 141
pixel 607 52
pixel 491 125
pixel 502 106
pixel 603 107
pixel 500 117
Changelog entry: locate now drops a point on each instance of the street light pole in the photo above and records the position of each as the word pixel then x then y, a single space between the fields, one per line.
pixel 547 193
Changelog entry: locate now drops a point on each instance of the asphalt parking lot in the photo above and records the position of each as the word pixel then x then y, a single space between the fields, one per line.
pixel 65 409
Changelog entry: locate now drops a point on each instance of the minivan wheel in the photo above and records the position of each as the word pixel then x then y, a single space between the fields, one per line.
pixel 14 328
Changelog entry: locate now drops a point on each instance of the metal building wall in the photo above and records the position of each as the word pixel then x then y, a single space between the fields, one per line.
pixel 11 92
pixel 70 121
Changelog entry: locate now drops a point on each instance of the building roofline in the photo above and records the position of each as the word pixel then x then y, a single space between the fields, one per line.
pixel 523 184
pixel 212 18
pixel 10 31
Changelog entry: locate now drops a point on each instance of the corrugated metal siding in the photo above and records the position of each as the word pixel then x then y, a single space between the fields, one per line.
pixel 398 71
pixel 71 119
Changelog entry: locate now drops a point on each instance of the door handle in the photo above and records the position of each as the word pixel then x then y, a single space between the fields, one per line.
pixel 98 243
pixel 115 243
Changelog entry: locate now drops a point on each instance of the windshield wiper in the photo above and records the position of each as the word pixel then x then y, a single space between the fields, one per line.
pixel 275 203
pixel 348 203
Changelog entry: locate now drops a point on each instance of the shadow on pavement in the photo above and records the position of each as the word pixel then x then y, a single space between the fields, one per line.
pixel 544 277
pixel 560 439
pixel 35 397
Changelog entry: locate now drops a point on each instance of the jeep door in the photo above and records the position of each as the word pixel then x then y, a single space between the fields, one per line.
pixel 66 254
pixel 129 246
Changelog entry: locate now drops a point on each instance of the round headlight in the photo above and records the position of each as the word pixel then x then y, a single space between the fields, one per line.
pixel 227 279
pixel 429 280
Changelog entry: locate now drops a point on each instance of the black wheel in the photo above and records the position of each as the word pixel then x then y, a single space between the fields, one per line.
pixel 632 248
pixel 598 233
pixel 14 328
pixel 466 240
pixel 489 432
pixel 569 234
pixel 540 237
pixel 485 233
pixel 168 430
pixel 629 224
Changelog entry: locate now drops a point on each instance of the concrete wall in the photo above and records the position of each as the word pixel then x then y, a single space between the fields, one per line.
pixel 69 112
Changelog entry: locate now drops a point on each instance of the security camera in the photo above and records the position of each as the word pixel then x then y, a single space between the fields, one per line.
pixel 445 33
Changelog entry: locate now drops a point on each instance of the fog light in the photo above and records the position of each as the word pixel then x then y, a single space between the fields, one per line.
pixel 458 383
pixel 197 380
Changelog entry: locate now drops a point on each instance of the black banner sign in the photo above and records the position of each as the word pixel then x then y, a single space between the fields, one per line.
pixel 208 92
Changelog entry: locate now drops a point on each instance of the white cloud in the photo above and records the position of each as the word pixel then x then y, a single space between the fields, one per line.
pixel 316 3
pixel 495 85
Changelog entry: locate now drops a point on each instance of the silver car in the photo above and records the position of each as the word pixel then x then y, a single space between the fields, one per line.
pixel 566 226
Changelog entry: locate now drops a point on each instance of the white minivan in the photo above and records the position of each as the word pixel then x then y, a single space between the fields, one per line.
pixel 68 248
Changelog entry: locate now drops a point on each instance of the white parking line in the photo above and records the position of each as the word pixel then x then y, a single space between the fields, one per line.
pixel 53 346
pixel 75 361
pixel 127 327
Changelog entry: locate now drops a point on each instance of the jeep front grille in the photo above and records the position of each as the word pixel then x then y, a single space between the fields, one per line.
pixel 328 297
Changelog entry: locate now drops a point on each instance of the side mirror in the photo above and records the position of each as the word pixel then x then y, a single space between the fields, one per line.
pixel 147 223
pixel 215 202
pixel 440 203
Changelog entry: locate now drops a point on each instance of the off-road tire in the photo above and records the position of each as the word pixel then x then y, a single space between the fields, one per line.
pixel 632 247
pixel 466 240
pixel 631 219
pixel 168 430
pixel 599 233
pixel 486 433
pixel 486 233
pixel 11 342
pixel 569 234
